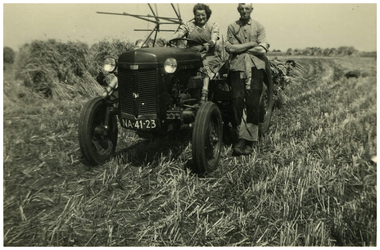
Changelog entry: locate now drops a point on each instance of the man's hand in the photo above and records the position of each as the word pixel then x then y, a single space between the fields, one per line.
pixel 257 50
pixel 240 48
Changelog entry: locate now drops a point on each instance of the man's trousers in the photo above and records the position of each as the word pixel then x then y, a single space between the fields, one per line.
pixel 246 103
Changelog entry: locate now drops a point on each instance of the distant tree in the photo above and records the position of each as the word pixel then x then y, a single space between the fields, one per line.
pixel 326 52
pixel 333 52
pixel 297 52
pixel 351 51
pixel 347 51
pixel 368 54
pixel 317 51
pixel 8 55
pixel 289 52
pixel 307 52
pixel 342 51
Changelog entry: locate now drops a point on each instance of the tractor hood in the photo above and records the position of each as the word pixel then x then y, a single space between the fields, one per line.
pixel 155 57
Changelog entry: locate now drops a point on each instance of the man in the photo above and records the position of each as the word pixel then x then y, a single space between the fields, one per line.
pixel 249 67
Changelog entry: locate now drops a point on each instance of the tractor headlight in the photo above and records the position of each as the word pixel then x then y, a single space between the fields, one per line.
pixel 109 65
pixel 170 65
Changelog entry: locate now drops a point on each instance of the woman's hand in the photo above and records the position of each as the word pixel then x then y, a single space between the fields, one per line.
pixel 211 43
pixel 206 47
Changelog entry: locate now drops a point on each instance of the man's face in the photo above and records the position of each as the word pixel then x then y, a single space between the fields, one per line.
pixel 245 11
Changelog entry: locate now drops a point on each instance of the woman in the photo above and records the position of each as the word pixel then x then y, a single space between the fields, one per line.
pixel 204 33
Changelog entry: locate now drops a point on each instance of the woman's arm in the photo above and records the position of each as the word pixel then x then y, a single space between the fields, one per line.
pixel 181 32
pixel 214 34
pixel 177 35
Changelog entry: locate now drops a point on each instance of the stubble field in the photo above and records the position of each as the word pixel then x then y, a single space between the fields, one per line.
pixel 310 183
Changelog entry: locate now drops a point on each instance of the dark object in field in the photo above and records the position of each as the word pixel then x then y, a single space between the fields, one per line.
pixel 352 74
pixel 283 72
pixel 356 74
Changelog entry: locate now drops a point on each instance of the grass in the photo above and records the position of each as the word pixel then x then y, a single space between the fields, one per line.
pixel 310 183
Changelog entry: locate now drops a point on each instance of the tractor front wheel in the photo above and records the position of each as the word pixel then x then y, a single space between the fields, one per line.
pixel 207 138
pixel 97 139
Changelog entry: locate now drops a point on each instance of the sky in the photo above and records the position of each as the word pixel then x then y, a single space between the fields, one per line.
pixel 291 25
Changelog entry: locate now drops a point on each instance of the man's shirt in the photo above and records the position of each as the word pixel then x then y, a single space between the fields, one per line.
pixel 239 33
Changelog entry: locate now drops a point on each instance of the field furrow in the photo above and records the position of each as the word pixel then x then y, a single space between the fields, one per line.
pixel 311 181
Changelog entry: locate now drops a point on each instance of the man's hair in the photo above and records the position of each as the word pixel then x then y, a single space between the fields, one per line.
pixel 201 6
pixel 240 4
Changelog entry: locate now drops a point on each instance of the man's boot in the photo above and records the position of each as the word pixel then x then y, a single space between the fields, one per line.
pixel 248 149
pixel 239 147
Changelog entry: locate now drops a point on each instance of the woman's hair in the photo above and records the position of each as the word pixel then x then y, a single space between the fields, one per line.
pixel 201 6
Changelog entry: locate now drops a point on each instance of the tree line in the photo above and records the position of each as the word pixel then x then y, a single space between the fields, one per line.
pixel 328 52
pixel 46 66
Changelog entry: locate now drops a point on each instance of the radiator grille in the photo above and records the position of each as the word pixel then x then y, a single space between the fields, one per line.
pixel 126 83
pixel 143 83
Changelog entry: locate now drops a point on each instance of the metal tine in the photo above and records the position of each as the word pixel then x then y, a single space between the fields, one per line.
pixel 301 71
pixel 297 71
pixel 300 67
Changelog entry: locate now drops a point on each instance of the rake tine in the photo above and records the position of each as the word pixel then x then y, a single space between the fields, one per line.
pixel 299 73
pixel 295 70
pixel 302 72
pixel 300 67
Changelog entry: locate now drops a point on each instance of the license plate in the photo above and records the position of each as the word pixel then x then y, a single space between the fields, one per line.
pixel 140 124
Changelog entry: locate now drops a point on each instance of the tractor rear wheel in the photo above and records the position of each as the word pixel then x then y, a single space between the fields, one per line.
pixel 266 104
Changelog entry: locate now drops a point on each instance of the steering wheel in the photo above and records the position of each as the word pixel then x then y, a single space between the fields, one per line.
pixel 171 42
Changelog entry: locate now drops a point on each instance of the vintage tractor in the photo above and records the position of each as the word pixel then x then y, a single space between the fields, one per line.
pixel 158 90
